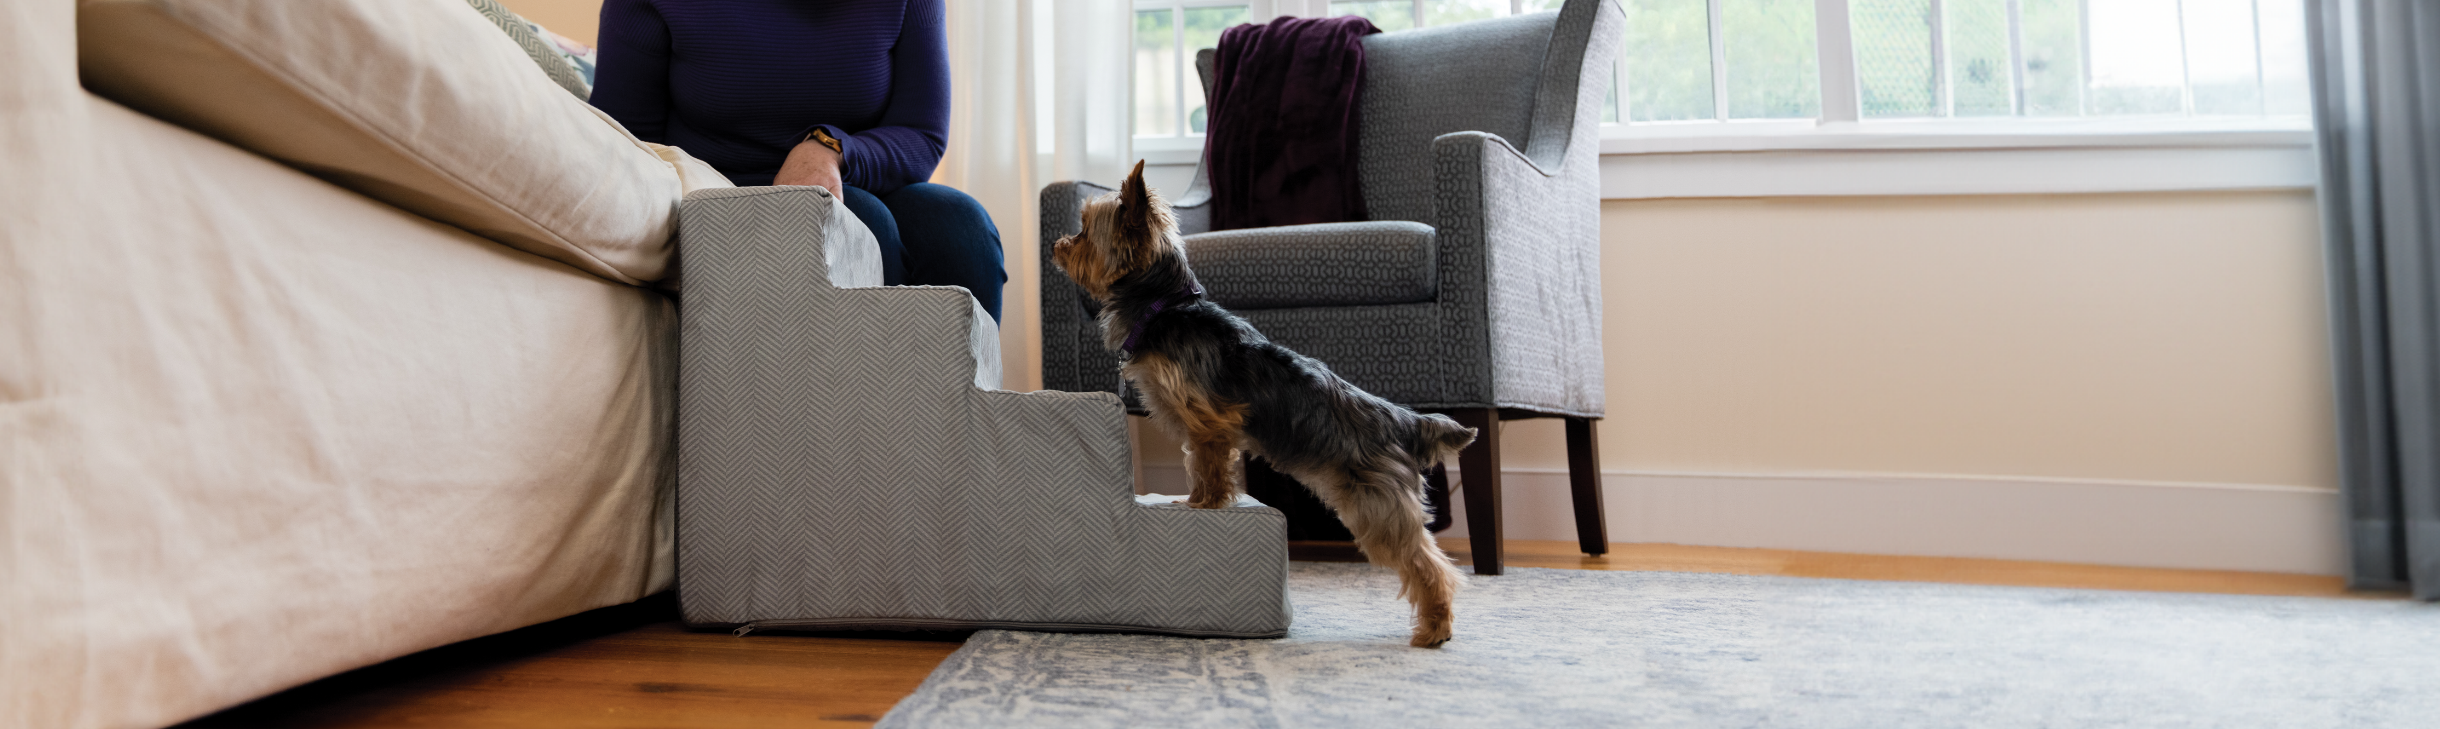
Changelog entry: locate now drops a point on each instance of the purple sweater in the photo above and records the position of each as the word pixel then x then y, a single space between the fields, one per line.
pixel 737 83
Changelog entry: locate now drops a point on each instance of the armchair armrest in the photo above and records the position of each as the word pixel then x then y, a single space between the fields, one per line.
pixel 1520 270
pixel 1520 233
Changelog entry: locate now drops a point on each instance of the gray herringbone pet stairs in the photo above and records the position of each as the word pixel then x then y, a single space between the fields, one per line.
pixel 846 460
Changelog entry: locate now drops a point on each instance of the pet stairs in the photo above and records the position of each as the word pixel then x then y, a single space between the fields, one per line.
pixel 846 461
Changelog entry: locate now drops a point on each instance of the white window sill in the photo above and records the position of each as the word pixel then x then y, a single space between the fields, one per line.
pixel 1763 136
pixel 1170 150
pixel 1930 157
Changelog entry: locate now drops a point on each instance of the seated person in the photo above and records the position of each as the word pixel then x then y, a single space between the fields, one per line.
pixel 849 95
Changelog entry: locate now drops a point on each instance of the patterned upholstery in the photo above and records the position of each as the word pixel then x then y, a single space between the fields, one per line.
pixel 843 463
pixel 544 54
pixel 1331 264
pixel 1507 176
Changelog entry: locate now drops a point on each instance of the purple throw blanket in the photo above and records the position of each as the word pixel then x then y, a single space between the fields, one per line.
pixel 1281 146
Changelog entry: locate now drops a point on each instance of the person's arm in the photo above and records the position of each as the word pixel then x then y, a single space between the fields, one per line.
pixel 913 132
pixel 813 164
pixel 631 76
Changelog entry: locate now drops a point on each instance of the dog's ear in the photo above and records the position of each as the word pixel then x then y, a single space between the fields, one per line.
pixel 1134 205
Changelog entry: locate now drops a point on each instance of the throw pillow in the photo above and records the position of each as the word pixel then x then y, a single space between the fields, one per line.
pixel 417 103
pixel 542 52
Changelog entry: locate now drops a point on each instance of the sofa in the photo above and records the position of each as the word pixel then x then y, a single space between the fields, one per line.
pixel 278 402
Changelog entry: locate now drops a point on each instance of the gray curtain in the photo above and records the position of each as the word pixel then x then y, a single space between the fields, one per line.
pixel 2376 103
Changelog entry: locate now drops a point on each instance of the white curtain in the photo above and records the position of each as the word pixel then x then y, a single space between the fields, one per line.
pixel 1038 95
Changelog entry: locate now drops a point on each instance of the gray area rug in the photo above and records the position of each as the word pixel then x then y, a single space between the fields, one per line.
pixel 1576 648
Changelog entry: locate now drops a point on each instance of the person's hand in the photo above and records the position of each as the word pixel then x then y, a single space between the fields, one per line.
pixel 812 165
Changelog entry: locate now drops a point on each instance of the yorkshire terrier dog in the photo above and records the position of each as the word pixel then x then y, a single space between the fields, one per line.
pixel 1213 381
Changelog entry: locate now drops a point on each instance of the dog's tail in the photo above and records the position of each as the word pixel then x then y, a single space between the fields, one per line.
pixel 1437 439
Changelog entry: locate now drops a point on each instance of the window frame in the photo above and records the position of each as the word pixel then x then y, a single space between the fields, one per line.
pixel 1185 146
pixel 1842 126
pixel 1841 153
pixel 1184 65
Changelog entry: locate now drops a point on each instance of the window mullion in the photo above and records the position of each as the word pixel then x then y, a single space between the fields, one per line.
pixel 1719 65
pixel 1178 62
pixel 1834 43
pixel 1944 99
pixel 1620 84
pixel 2262 92
pixel 2016 57
pixel 2084 65
pixel 2185 68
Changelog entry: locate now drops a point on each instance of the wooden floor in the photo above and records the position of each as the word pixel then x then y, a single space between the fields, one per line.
pixel 1682 558
pixel 633 666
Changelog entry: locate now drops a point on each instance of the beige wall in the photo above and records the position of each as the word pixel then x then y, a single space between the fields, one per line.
pixel 2171 337
pixel 578 19
pixel 2142 337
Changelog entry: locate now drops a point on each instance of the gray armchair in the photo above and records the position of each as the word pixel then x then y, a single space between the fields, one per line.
pixel 1475 288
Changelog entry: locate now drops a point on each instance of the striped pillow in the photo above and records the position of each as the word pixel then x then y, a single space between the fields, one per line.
pixel 540 48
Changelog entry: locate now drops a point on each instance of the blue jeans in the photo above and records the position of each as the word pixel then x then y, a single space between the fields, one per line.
pixel 933 235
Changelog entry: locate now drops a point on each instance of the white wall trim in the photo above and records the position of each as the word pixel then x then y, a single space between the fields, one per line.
pixel 1169 150
pixel 1974 171
pixel 1806 159
pixel 1954 157
pixel 2248 527
pixel 1977 171
pixel 1755 136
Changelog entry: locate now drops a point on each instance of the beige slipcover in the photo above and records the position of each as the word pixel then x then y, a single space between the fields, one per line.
pixel 420 103
pixel 256 429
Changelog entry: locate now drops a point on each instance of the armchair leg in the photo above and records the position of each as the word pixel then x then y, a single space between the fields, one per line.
pixel 1584 479
pixel 1479 464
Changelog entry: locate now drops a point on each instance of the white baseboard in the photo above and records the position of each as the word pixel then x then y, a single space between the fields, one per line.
pixel 2130 523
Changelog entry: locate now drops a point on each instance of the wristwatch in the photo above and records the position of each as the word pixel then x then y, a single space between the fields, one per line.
pixel 818 135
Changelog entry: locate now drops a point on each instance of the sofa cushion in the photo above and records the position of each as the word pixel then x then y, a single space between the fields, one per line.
pixel 1325 264
pixel 419 103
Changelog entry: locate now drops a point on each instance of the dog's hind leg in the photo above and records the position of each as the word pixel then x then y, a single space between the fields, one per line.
pixel 1384 508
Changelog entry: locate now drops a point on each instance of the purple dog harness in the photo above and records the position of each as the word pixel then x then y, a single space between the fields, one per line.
pixel 1193 291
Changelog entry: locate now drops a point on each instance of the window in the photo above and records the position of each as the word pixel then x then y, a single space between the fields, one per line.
pixel 1982 96
pixel 1396 15
pixel 1169 93
pixel 1733 60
